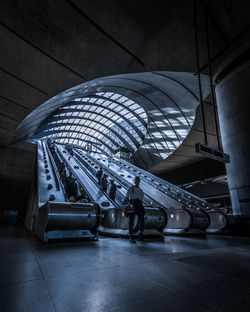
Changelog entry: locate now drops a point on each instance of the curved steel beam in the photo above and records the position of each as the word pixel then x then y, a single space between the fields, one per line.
pixel 87 141
pixel 142 95
pixel 37 116
pixel 140 134
pixel 143 122
pixel 104 85
pixel 180 83
pixel 146 83
pixel 47 126
pixel 154 141
pixel 125 131
pixel 163 92
pixel 51 126
pixel 43 134
pixel 96 146
pixel 148 99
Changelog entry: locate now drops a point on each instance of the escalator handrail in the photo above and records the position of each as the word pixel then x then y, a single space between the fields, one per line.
pixel 92 178
pixel 54 168
pixel 170 185
pixel 61 183
pixel 186 205
pixel 69 167
pixel 163 181
pixel 121 180
pixel 78 179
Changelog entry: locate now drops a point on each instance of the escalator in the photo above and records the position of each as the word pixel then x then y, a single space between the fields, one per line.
pixel 49 186
pixel 54 217
pixel 186 212
pixel 113 219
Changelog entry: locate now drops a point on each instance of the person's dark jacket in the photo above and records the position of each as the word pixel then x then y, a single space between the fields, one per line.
pixel 72 189
pixel 112 191
pixel 99 175
pixel 104 184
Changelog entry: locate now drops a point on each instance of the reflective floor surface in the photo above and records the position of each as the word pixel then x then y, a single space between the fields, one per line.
pixel 179 274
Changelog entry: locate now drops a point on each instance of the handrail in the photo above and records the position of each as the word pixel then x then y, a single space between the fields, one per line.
pixel 70 168
pixel 54 168
pixel 174 196
pixel 177 190
pixel 116 177
pixel 92 178
pixel 110 172
pixel 61 183
pixel 168 184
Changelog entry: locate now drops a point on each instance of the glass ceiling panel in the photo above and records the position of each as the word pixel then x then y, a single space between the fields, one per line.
pixel 105 117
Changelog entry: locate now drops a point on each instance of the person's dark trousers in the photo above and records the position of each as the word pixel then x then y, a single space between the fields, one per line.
pixel 141 221
pixel 131 222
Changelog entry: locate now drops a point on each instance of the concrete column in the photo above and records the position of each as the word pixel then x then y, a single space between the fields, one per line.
pixel 233 99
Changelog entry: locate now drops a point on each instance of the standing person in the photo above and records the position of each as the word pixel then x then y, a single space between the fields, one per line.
pixel 99 175
pixel 135 196
pixel 63 175
pixel 67 182
pixel 70 186
pixel 104 183
pixel 112 190
pixel 72 189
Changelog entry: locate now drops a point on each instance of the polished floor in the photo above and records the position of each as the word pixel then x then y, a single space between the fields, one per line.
pixel 179 274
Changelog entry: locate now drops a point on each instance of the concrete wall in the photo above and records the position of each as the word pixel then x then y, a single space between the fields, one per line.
pixel 234 112
pixel 16 174
pixel 204 169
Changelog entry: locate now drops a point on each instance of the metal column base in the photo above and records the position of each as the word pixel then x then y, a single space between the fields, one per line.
pixel 69 234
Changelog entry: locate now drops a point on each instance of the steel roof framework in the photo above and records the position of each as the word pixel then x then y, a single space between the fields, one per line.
pixel 106 117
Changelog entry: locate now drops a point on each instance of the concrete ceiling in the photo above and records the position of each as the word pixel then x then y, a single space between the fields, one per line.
pixel 50 46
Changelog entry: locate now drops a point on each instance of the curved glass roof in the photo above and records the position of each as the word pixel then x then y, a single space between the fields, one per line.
pixel 109 112
pixel 106 120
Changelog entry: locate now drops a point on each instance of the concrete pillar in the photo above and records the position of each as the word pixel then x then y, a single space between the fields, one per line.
pixel 233 99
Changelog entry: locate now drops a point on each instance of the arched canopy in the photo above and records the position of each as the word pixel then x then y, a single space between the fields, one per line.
pixel 149 113
pixel 109 118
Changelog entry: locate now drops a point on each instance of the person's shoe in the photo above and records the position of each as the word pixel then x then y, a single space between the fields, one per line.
pixel 141 239
pixel 132 240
